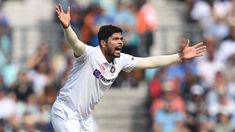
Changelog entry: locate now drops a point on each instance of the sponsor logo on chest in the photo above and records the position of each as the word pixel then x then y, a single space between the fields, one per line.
pixel 98 75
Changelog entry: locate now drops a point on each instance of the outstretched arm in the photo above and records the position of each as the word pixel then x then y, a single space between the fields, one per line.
pixel 64 17
pixel 164 60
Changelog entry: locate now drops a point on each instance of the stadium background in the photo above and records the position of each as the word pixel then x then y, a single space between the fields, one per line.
pixel 196 95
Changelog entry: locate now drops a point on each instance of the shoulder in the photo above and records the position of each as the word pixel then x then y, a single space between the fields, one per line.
pixel 90 49
pixel 128 62
pixel 124 56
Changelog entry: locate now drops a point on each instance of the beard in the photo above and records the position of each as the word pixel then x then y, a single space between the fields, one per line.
pixel 114 52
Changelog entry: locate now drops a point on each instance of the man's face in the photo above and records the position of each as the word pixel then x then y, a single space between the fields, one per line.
pixel 114 45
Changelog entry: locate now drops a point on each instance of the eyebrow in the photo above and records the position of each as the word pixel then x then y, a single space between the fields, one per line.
pixel 115 37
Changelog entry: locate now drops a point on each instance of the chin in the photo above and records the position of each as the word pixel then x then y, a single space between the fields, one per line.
pixel 117 55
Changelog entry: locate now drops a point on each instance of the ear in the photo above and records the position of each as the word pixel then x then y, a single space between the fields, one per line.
pixel 102 43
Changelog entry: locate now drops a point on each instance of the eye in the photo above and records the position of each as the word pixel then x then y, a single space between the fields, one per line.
pixel 118 38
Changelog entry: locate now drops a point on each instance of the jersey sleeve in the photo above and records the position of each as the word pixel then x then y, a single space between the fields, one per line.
pixel 128 62
pixel 86 54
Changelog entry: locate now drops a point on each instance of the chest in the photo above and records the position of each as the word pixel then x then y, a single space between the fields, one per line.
pixel 106 73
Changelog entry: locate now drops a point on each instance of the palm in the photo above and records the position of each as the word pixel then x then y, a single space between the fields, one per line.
pixel 64 17
pixel 193 51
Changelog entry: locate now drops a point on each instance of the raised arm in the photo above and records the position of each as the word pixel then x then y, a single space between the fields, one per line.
pixel 164 60
pixel 64 17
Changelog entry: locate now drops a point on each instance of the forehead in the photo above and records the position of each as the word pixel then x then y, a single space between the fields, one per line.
pixel 114 35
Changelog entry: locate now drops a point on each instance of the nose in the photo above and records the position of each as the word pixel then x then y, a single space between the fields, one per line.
pixel 121 42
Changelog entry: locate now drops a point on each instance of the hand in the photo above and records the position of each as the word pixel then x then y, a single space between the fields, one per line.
pixel 193 51
pixel 63 17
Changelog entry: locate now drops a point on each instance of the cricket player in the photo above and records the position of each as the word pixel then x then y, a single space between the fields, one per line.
pixel 94 71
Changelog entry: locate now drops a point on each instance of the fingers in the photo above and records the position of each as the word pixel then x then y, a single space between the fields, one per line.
pixel 198 45
pixel 200 51
pixel 68 11
pixel 200 48
pixel 59 9
pixel 200 54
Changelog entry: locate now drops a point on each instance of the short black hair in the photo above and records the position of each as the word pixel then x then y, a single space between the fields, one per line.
pixel 106 31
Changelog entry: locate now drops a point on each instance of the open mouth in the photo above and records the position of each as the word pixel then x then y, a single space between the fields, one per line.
pixel 118 49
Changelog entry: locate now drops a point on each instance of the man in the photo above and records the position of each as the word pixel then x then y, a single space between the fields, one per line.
pixel 95 70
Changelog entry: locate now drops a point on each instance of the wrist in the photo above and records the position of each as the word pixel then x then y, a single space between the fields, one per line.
pixel 180 54
pixel 66 26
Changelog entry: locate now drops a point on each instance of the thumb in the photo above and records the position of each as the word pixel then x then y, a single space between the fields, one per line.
pixel 184 44
pixel 187 43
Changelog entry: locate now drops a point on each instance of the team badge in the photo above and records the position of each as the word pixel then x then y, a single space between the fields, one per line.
pixel 112 69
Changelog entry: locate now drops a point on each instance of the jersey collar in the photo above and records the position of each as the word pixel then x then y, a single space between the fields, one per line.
pixel 103 59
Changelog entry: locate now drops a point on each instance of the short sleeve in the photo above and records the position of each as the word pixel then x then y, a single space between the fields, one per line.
pixel 128 62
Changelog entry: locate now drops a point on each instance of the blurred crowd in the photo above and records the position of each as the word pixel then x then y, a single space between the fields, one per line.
pixel 137 18
pixel 199 95
pixel 195 95
pixel 28 87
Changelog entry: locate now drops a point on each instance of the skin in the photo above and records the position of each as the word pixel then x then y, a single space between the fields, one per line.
pixel 65 18
pixel 112 48
pixel 114 44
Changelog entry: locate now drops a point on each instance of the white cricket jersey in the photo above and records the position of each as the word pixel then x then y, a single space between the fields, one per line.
pixel 90 77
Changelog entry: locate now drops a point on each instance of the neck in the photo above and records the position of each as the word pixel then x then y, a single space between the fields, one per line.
pixel 107 57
